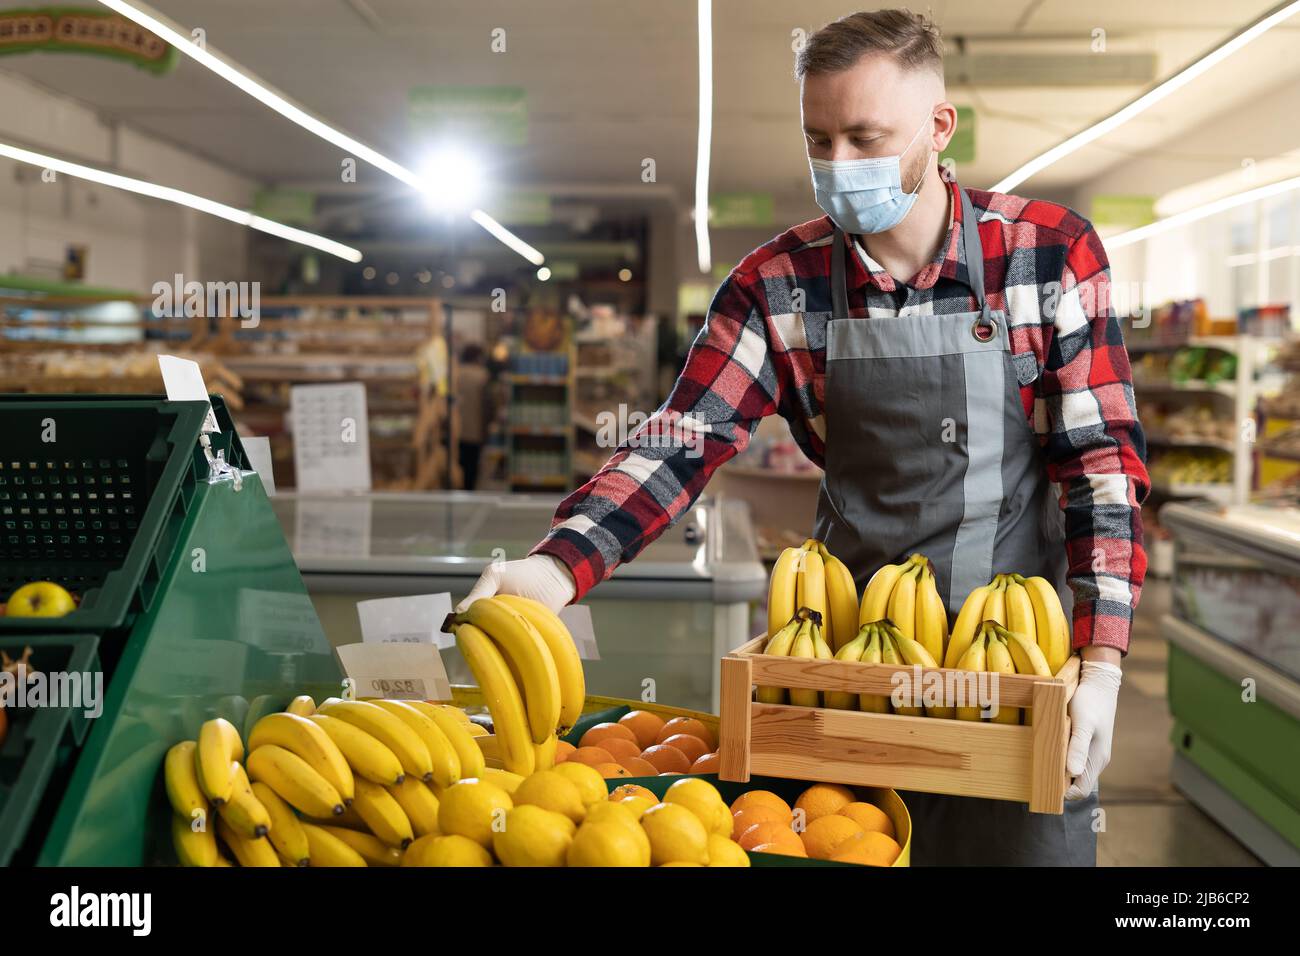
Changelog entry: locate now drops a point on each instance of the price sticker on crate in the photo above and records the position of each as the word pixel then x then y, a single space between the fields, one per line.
pixel 395 671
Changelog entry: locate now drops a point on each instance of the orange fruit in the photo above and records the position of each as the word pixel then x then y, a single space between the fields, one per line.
pixel 687 725
pixel 620 748
pixel 868 848
pixel 608 770
pixel 770 832
pixel 706 764
pixel 824 836
pixel 823 799
pixel 746 818
pixel 693 747
pixel 631 790
pixel 869 817
pixel 596 734
pixel 563 750
pixel 591 756
pixel 644 725
pixel 641 767
pixel 752 798
pixel 785 849
pixel 666 759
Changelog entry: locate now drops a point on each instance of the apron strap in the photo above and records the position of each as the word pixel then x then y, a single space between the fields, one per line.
pixel 839 285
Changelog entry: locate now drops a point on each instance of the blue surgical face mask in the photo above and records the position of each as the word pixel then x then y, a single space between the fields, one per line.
pixel 864 196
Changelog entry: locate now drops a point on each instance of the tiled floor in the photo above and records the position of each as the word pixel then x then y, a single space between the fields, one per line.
pixel 1148 823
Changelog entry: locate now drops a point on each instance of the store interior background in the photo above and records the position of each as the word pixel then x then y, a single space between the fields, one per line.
pixel 606 87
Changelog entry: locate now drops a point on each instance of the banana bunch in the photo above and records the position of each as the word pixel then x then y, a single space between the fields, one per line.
pixel 907 595
pixel 1029 607
pixel 803 637
pixel 527 666
pixel 811 577
pixel 999 650
pixel 881 642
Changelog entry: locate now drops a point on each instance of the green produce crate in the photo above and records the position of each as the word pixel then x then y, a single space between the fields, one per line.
pixel 97 509
pixel 41 741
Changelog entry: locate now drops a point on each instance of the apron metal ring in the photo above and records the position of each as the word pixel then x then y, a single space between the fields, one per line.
pixel 983 331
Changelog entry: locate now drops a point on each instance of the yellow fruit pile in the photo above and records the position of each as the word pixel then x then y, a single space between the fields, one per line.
pixel 528 669
pixel 811 577
pixel 828 822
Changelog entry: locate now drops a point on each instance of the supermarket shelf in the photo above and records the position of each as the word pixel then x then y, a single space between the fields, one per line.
pixel 1191 385
pixel 1182 441
pixel 520 379
pixel 559 431
pixel 1219 492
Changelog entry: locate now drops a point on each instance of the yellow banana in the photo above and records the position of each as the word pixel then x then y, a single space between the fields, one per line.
pixel 995 607
pixel 390 731
pixel 778 645
pixel 1027 655
pixel 301 706
pixel 457 730
pixel 446 760
pixel 851 651
pixel 248 851
pixel 243 811
pixel 969 619
pixel 308 740
pixel 781 590
pixel 329 850
pixel 889 654
pixel 544 754
pixel 915 653
pixel 1020 611
pixel 180 776
pixel 295 781
pixel 841 602
pixel 568 665
pixel 999 662
pixel 365 755
pixel 524 649
pixel 872 654
pixel 286 830
pixel 804 647
pixel 931 615
pixel 875 599
pixel 218 747
pixel 810 586
pixel 194 847
pixel 902 603
pixel 972 660
pixel 419 804
pixel 371 849
pixel 1052 629
pixel 502 697
pixel 383 814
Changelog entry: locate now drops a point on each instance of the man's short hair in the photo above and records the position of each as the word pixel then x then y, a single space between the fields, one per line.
pixel 910 38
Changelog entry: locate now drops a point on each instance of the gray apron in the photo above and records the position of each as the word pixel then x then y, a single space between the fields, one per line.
pixel 928 449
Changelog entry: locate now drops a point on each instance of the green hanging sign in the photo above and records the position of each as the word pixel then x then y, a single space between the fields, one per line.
pixel 84 30
pixel 496 115
pixel 1112 209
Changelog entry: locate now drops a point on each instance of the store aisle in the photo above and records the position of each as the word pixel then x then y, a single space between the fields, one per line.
pixel 1148 822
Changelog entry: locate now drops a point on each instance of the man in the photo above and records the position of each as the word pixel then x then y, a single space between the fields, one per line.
pixel 946 355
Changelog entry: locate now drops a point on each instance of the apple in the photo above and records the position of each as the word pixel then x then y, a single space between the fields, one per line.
pixel 40 599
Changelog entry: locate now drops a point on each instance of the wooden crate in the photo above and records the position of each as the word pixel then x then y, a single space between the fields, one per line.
pixel 966 758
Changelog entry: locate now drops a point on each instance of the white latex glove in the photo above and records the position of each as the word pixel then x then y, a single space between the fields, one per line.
pixel 1092 717
pixel 538 576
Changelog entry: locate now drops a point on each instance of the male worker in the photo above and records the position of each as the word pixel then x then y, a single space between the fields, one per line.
pixel 946 354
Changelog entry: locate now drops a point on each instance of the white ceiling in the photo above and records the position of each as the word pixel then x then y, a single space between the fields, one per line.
pixel 610 83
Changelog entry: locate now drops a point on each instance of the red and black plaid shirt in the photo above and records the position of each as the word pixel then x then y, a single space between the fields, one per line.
pixel 762 351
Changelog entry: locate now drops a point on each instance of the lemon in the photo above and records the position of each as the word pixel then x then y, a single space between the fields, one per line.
pixel 676 834
pixel 703 800
pixel 473 808
pixel 726 852
pixel 591 785
pixel 638 804
pixel 445 851
pixel 604 844
pixel 680 863
pixel 551 791
pixel 606 812
pixel 533 836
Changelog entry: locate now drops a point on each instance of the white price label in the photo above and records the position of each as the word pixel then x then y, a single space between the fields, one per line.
pixel 331 437
pixel 258 450
pixel 405 620
pixel 183 380
pixel 398 671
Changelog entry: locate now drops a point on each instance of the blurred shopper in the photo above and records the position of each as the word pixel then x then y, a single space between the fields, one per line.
pixel 472 400
pixel 947 355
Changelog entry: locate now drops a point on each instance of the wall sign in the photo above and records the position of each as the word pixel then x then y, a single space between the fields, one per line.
pixel 84 30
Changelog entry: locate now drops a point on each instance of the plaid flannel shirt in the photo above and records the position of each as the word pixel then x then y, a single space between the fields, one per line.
pixel 758 355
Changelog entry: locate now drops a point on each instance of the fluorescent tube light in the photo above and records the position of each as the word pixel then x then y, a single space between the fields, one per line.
pixel 1201 212
pixel 704 140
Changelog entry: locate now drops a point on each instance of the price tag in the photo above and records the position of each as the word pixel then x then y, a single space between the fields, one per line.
pixel 332 527
pixel 577 618
pixel 183 380
pixel 331 437
pixel 258 450
pixel 396 671
pixel 405 620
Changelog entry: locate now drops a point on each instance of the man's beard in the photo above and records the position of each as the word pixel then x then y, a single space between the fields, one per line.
pixel 911 178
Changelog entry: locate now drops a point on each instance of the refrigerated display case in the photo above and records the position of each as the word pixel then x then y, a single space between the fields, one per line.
pixel 662 622
pixel 1234 669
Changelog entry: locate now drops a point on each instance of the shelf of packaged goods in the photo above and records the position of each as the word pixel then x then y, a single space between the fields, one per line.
pixel 555 380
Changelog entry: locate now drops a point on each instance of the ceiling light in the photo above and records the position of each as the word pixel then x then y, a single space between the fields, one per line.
pixel 1148 99
pixel 451 180
pixel 704 139
pixel 182 198
pixel 543 273
pixel 508 237
pixel 1201 212
pixel 624 275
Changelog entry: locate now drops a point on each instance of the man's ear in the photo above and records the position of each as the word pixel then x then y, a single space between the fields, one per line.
pixel 945 125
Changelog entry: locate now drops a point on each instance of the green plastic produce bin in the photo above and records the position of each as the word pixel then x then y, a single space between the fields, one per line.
pixel 41 742
pixel 92 492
